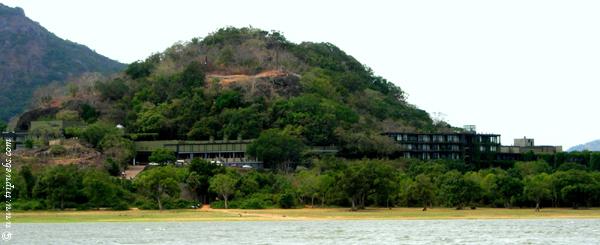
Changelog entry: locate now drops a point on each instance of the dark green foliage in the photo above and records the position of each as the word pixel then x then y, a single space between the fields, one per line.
pixel 28 143
pixel 94 133
pixel 332 181
pixel 89 113
pixel 166 95
pixel 508 188
pixel 158 183
pixel 162 156
pixel 112 167
pixel 119 205
pixel 57 150
pixel 277 149
pixel 228 99
pixel 287 200
pixel 458 191
pixel 141 69
pixel 203 171
pixel 28 179
pixel 112 89
pixel 193 75
pixel 60 185
pixel 571 165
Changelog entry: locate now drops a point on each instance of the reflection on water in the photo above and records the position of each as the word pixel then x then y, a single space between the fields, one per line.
pixel 315 232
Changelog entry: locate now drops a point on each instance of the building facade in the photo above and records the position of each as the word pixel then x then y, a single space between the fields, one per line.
pixel 467 146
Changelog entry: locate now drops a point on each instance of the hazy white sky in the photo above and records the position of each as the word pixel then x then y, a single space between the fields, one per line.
pixel 518 68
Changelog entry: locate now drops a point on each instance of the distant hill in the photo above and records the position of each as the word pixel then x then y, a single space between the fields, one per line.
pixel 590 146
pixel 31 56
pixel 238 82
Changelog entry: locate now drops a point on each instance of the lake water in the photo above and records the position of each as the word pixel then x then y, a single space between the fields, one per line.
pixel 557 231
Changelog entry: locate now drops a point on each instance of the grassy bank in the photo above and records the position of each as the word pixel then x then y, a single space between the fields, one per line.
pixel 294 214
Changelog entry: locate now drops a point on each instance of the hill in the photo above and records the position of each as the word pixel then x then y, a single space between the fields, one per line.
pixel 239 82
pixel 590 146
pixel 31 56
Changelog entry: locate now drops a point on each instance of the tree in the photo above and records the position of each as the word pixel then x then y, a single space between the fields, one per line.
pixel 508 187
pixel 276 148
pixel 537 188
pixel 94 133
pixel 98 188
pixel 224 185
pixel 118 148
pixel 29 180
pixel 308 185
pixel 457 190
pixel 59 184
pixel 325 186
pixel 532 168
pixel 162 156
pixel 158 182
pixel 112 89
pixel 204 170
pixel 193 182
pixel 423 190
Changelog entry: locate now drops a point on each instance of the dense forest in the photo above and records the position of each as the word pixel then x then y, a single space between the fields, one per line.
pixel 328 182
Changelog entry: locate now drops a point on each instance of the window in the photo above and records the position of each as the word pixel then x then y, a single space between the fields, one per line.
pixel 453 138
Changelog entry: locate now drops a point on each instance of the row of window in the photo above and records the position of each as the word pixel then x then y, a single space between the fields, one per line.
pixel 428 138
pixel 425 147
pixel 444 138
pixel 435 155
pixel 419 147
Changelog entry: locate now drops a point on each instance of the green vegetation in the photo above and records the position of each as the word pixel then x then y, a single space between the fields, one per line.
pixel 356 184
pixel 162 156
pixel 307 95
pixel 317 96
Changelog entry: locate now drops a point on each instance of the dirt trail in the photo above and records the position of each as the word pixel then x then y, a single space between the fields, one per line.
pixel 228 79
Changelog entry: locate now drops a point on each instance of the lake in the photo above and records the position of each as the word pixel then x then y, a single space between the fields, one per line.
pixel 543 231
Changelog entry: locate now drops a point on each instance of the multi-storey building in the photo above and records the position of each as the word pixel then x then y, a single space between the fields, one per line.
pixel 465 146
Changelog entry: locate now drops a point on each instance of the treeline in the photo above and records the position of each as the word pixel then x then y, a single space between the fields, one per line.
pixel 329 182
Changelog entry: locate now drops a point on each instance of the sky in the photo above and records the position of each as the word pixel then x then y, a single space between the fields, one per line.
pixel 516 68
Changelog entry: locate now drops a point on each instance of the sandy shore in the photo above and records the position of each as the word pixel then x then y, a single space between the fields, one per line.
pixel 295 214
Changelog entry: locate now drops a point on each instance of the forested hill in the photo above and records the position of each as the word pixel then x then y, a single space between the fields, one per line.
pixel 239 82
pixel 31 56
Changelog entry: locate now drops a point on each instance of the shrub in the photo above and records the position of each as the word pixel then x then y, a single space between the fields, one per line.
pixel 28 143
pixel 119 205
pixel 28 205
pixel 253 203
pixel 57 150
pixel 287 200
pixel 221 204
pixel 145 204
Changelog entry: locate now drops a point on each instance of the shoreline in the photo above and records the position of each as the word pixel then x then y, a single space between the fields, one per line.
pixel 304 214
